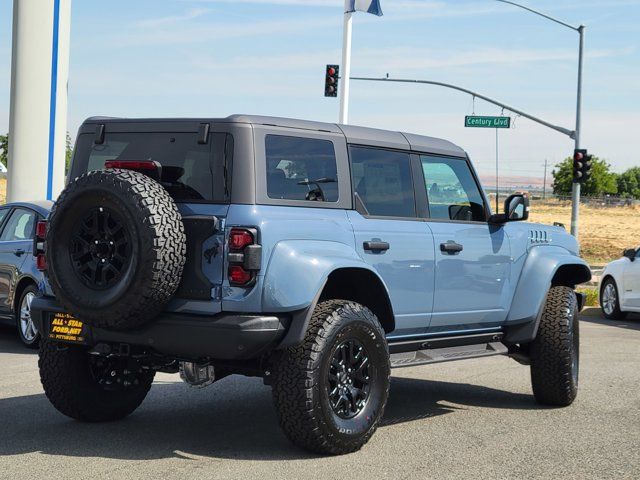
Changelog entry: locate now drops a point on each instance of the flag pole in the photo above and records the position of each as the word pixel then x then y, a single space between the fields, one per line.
pixel 346 68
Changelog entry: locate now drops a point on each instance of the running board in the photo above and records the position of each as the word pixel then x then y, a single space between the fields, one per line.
pixel 427 353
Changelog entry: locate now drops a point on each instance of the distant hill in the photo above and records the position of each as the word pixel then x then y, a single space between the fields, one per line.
pixel 489 181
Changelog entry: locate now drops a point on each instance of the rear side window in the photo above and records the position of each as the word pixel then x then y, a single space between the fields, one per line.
pixel 190 171
pixel 382 182
pixel 301 168
pixel 19 226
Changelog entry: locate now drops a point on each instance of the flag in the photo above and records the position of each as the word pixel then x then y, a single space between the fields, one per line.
pixel 369 6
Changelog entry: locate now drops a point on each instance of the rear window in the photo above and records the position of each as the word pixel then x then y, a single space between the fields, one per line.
pixel 191 172
pixel 301 169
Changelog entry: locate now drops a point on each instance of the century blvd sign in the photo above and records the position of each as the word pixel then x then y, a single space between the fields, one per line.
pixel 487 122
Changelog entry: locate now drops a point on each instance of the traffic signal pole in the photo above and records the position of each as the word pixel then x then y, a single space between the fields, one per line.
pixel 566 131
pixel 575 189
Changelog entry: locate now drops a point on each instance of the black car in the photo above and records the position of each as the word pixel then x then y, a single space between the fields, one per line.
pixel 19 277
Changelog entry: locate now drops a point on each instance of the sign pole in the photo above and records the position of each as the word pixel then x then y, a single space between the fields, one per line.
pixel 346 68
pixel 497 189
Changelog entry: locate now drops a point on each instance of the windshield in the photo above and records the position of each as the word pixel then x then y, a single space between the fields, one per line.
pixel 191 172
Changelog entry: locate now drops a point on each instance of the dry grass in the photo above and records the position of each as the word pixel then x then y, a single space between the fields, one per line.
pixel 603 232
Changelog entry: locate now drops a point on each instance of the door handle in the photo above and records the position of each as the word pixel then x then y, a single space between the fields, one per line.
pixel 451 247
pixel 375 246
pixel 19 252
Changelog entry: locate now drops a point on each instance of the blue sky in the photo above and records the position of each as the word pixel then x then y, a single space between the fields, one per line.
pixel 217 57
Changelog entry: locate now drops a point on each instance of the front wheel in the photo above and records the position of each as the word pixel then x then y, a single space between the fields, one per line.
pixel 330 391
pixel 555 352
pixel 91 388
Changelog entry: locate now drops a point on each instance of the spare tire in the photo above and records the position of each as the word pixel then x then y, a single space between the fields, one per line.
pixel 115 248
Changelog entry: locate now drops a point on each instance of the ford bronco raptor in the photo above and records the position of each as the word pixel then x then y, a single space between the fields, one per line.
pixel 316 256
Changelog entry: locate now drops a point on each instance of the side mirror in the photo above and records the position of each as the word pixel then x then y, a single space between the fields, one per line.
pixel 516 208
pixel 630 253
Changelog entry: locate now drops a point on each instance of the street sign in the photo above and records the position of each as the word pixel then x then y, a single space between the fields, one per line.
pixel 487 122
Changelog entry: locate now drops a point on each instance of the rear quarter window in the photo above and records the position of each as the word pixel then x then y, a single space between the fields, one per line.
pixel 191 172
pixel 301 168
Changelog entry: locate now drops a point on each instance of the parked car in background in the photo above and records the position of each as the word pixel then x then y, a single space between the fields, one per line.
pixel 19 277
pixel 620 285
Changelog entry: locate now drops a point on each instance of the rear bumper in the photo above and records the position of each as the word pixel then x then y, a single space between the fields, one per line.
pixel 224 336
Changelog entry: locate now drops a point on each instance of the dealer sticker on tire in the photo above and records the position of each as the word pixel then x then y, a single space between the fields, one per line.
pixel 66 328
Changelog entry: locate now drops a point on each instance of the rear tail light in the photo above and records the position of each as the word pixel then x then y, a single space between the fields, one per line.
pixel 41 262
pixel 244 257
pixel 39 245
pixel 238 275
pixel 240 238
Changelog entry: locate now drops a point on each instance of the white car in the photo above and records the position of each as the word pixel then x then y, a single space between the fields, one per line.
pixel 620 285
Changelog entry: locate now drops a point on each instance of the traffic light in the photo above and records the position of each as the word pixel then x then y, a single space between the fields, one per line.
pixel 331 81
pixel 581 165
pixel 586 167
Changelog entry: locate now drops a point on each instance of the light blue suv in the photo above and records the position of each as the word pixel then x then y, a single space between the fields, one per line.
pixel 316 256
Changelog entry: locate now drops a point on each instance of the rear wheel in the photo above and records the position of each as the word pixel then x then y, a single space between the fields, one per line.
pixel 610 300
pixel 555 352
pixel 330 391
pixel 27 330
pixel 91 388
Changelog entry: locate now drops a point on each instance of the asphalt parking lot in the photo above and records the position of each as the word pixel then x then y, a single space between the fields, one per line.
pixel 468 419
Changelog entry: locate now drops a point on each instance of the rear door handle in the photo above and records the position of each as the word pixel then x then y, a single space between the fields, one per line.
pixel 18 252
pixel 451 247
pixel 375 246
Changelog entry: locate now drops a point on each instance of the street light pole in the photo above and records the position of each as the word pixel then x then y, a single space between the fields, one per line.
pixel 575 189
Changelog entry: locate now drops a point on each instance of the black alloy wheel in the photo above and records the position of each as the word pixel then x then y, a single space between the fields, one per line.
pixel 349 381
pixel 100 248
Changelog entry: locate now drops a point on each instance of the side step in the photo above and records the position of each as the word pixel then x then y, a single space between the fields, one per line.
pixel 446 350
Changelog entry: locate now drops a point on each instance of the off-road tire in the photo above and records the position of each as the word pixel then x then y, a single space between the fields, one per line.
pixel 616 314
pixel 151 267
pixel 72 389
pixel 555 352
pixel 300 380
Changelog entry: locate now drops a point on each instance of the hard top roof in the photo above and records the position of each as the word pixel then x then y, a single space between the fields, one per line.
pixel 354 134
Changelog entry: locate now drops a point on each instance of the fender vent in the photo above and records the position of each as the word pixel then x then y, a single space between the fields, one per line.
pixel 537 237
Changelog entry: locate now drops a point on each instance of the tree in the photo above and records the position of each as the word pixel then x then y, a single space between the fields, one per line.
pixel 4 151
pixel 601 180
pixel 67 154
pixel 629 183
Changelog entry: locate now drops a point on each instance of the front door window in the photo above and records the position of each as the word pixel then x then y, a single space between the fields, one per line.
pixel 452 191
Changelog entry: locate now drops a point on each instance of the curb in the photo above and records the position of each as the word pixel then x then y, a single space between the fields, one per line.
pixel 591 312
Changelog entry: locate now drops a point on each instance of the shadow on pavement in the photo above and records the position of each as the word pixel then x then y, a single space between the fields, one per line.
pixel 233 419
pixel 632 322
pixel 9 341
